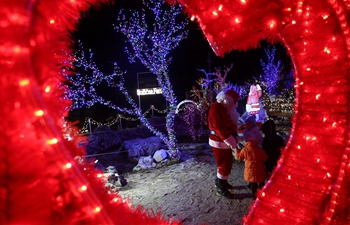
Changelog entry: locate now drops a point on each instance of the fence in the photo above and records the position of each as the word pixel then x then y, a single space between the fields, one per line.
pixel 118 119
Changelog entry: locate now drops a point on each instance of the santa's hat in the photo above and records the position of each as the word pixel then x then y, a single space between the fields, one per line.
pixel 228 94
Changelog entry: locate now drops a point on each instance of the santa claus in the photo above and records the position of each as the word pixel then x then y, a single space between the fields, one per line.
pixel 222 122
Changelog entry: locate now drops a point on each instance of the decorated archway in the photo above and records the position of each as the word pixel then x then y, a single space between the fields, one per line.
pixel 185 102
pixel 41 182
pixel 311 184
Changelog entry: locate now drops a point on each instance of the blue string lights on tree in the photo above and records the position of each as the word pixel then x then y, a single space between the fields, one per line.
pixel 271 71
pixel 277 85
pixel 80 88
pixel 152 49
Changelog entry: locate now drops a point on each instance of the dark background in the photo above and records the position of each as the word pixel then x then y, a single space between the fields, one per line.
pixel 96 32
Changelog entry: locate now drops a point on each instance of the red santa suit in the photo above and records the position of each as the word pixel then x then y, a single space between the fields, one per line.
pixel 222 122
pixel 253 101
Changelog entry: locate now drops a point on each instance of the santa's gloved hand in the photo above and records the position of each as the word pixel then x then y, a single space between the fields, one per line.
pixel 231 142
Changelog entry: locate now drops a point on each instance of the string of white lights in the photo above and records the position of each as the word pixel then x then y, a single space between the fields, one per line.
pixel 117 119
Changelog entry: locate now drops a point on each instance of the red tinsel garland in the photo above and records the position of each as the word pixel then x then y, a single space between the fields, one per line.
pixel 311 182
pixel 40 182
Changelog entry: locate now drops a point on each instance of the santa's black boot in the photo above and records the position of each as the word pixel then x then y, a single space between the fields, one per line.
pixel 222 189
pixel 229 186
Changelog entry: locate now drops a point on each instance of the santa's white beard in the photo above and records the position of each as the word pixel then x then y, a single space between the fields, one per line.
pixel 234 115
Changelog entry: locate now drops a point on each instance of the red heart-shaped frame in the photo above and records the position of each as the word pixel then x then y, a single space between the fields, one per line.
pixel 311 182
pixel 40 183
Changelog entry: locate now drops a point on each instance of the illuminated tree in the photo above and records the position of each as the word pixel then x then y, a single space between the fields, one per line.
pixel 81 88
pixel 152 49
pixel 204 95
pixel 271 70
pixel 276 84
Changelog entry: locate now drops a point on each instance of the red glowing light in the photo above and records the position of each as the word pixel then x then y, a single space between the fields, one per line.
pixel 24 82
pixel 52 141
pixel 83 188
pixel 39 113
pixel 272 24
pixel 47 89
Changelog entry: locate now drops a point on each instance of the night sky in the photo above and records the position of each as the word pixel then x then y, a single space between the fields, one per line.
pixel 96 31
